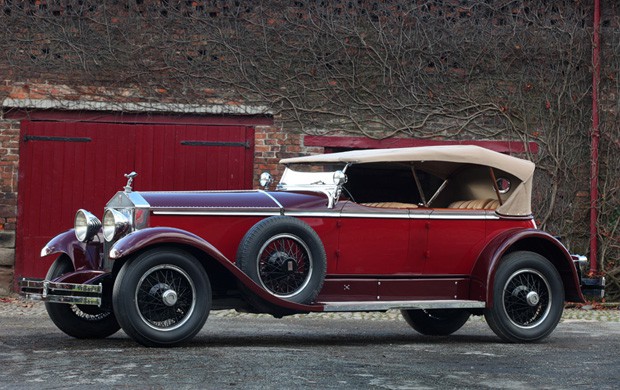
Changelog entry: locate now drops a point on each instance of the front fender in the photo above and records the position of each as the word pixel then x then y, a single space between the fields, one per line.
pixel 83 255
pixel 144 238
pixel 141 239
pixel 483 272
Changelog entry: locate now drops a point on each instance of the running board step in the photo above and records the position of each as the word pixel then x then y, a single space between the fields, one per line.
pixel 389 305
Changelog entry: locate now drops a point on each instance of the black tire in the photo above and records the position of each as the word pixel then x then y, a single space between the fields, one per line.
pixel 79 321
pixel 162 297
pixel 286 257
pixel 436 322
pixel 528 298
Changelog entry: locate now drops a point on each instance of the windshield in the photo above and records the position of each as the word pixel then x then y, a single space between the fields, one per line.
pixel 310 177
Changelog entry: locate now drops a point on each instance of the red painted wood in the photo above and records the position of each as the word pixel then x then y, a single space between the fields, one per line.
pixel 57 178
pixel 367 143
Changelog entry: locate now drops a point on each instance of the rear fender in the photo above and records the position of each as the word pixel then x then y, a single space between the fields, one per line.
pixel 84 256
pixel 483 273
pixel 151 237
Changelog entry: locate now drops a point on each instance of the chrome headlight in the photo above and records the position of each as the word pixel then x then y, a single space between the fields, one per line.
pixel 115 223
pixel 86 225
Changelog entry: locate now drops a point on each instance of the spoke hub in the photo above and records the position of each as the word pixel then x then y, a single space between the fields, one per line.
pixel 284 262
pixel 532 298
pixel 169 297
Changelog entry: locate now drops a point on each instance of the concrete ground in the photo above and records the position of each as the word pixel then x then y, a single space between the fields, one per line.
pixel 317 351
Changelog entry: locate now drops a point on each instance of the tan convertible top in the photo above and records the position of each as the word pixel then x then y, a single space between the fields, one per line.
pixel 519 199
pixel 469 154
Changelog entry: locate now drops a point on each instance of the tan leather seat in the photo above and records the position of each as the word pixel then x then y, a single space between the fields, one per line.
pixel 475 204
pixel 391 205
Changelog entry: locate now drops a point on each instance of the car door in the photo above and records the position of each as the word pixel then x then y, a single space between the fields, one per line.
pixel 374 241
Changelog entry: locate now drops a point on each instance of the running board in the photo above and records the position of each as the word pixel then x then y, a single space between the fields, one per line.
pixel 389 305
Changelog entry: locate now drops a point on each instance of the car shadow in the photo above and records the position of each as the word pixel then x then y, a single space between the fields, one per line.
pixel 297 341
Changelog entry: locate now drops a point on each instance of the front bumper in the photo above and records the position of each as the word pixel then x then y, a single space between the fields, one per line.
pixel 60 292
pixel 590 287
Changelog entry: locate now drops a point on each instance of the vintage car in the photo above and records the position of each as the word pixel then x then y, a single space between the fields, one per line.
pixel 440 233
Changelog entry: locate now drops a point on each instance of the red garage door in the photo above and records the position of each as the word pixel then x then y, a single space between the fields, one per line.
pixel 65 166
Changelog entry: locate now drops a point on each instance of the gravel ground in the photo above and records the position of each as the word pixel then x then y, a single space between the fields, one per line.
pixel 16 307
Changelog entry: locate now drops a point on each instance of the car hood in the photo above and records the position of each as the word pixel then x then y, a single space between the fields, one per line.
pixel 223 200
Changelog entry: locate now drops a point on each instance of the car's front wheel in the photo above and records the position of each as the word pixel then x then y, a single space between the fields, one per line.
pixel 79 321
pixel 162 297
pixel 436 322
pixel 528 298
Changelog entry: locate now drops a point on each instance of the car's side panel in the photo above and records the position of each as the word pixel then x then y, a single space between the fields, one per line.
pixel 454 241
pixel 327 228
pixel 223 232
pixel 441 288
pixel 350 288
pixel 371 242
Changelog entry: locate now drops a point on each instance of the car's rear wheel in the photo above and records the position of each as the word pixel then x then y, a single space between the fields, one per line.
pixel 285 256
pixel 162 297
pixel 528 298
pixel 436 322
pixel 79 321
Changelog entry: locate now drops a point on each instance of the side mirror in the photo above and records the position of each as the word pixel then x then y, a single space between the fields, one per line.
pixel 265 180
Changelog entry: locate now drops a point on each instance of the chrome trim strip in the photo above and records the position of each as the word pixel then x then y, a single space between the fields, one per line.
pixel 238 211
pixel 378 215
pixel 388 305
pixel 272 198
pixel 199 192
pixel 218 213
pixel 464 216
pixel 313 214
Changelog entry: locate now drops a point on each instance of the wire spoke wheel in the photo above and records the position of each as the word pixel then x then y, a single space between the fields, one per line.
pixel 284 265
pixel 527 298
pixel 165 297
pixel 162 297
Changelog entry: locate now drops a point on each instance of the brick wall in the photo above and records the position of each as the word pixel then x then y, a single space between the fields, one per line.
pixel 272 143
pixel 9 162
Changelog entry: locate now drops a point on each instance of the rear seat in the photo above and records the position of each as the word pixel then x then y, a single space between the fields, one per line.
pixel 476 204
pixel 391 205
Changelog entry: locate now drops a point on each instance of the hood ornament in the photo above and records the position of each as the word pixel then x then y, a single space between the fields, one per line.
pixel 129 177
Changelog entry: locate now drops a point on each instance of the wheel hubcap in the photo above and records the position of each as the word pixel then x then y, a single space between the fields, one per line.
pixel 284 262
pixel 532 298
pixel 169 297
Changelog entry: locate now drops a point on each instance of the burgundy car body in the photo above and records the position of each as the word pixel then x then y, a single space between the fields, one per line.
pixel 378 258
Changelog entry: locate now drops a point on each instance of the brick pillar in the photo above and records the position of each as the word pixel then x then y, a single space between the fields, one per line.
pixel 9 162
pixel 273 143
